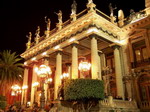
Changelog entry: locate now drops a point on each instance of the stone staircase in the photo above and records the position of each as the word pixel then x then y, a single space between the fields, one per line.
pixel 106 105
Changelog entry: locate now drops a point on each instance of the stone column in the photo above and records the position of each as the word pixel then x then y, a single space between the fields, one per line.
pixel 128 86
pixel 118 71
pixel 125 59
pixel 103 60
pixel 94 57
pixel 147 42
pixel 99 66
pixel 58 73
pixel 34 79
pixel 74 61
pixel 25 83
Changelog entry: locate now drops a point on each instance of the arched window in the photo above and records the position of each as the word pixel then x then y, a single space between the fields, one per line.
pixel 144 87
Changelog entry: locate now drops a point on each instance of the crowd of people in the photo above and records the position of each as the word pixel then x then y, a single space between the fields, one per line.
pixel 23 108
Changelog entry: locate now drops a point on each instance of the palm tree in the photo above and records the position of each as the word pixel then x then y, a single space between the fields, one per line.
pixel 11 70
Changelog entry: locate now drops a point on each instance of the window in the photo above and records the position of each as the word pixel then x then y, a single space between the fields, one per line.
pixel 140 51
pixel 110 60
pixel 144 87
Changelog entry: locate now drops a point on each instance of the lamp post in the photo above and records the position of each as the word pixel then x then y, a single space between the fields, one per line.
pixel 63 77
pixel 35 84
pixel 43 72
pixel 106 77
pixel 47 82
pixel 84 66
pixel 16 90
pixel 24 88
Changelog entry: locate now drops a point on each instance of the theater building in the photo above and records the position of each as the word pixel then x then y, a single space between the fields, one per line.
pixel 117 48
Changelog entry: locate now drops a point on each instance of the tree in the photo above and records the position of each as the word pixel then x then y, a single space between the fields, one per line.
pixel 84 93
pixel 11 70
pixel 3 102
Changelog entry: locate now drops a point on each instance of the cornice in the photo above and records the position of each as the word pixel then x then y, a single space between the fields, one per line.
pixel 137 24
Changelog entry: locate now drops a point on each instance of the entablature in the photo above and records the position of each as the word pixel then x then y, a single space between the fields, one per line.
pixel 90 23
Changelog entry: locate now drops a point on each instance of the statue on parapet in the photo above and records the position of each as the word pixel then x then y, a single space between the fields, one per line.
pixel 28 44
pixel 90 1
pixel 48 23
pixel 120 18
pixel 74 7
pixel 59 14
pixel 112 16
pixel 37 35
pixel 112 9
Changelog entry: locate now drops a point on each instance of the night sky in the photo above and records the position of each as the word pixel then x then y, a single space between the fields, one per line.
pixel 18 17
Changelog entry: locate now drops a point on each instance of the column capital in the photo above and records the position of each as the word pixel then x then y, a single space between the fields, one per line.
pixel 127 78
pixel 75 44
pixel 59 52
pixel 93 36
pixel 115 46
pixel 100 53
pixel 46 57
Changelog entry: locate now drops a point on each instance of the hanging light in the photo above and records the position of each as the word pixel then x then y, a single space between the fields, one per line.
pixel 43 71
pixel 48 80
pixel 35 84
pixel 64 75
pixel 84 66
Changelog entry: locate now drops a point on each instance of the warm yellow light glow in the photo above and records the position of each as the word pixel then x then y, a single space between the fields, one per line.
pixel 28 103
pixel 19 91
pixel 48 80
pixel 92 30
pixel 24 87
pixel 35 84
pixel 13 93
pixel 33 59
pixel 64 75
pixel 36 69
pixel 44 70
pixel 57 47
pixel 61 77
pixel 15 87
pixel 122 42
pixel 25 63
pixel 44 53
pixel 84 66
pixel 72 39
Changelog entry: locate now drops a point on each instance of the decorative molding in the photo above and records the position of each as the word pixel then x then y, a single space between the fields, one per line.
pixel 68 37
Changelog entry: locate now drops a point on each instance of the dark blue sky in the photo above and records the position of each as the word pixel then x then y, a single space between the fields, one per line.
pixel 18 17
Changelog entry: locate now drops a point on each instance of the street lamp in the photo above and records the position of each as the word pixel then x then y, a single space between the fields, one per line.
pixel 63 77
pixel 43 72
pixel 24 88
pixel 84 66
pixel 47 84
pixel 107 72
pixel 16 89
pixel 34 85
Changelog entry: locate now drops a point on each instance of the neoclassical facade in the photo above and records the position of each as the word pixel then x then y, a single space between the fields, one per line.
pixel 119 53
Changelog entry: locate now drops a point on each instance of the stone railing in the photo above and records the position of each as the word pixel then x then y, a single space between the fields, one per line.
pixel 110 102
pixel 145 105
pixel 105 103
pixel 125 104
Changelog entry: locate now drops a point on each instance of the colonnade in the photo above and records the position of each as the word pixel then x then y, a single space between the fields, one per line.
pixel 96 68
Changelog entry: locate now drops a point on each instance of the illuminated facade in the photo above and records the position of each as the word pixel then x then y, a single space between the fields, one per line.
pixel 117 50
